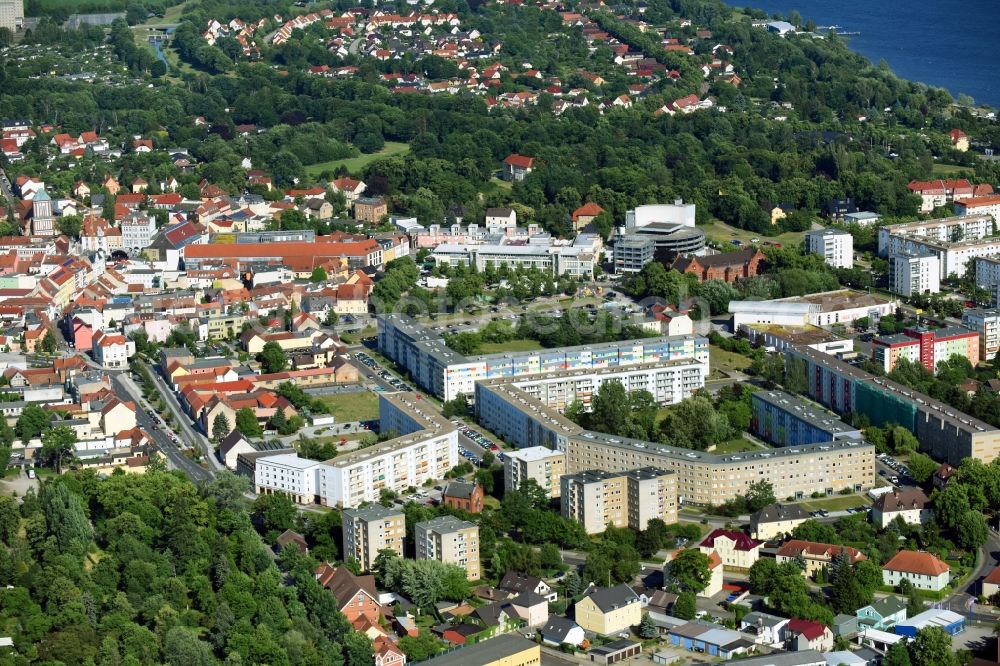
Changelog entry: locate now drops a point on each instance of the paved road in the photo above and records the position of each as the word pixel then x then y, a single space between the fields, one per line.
pixel 989 558
pixel 157 429
pixel 5 188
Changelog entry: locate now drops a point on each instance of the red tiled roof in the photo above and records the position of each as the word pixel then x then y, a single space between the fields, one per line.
pixel 741 541
pixel 909 561
pixel 808 628
pixel 795 547
pixel 589 209
pixel 520 161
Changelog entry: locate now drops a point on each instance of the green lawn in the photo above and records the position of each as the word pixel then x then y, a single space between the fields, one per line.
pixel 951 171
pixel 835 503
pixel 721 359
pixel 513 345
pixel 736 445
pixel 354 406
pixel 721 232
pixel 356 164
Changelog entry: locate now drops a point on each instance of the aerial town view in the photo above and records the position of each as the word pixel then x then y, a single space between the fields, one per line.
pixel 498 333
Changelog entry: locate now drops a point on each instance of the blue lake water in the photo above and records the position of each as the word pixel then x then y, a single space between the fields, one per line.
pixel 953 44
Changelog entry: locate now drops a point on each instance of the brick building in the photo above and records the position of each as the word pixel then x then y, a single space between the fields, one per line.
pixel 727 266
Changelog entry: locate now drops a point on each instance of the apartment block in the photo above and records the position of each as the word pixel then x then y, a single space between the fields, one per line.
pixel 986 324
pixel 953 256
pixel 446 373
pixel 426 449
pixel 929 347
pixel 787 420
pixel 543 465
pixel 943 432
pixel 450 540
pixel 595 498
pixel 371 529
pixel 948 229
pixel 12 14
pixel 988 272
pixel 913 273
pixel 287 474
pixel 834 245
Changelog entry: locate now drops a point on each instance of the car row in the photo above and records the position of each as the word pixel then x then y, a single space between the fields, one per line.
pixel 371 363
pixel 476 436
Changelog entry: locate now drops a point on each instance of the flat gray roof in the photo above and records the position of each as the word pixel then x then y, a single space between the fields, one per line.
pixel 805 411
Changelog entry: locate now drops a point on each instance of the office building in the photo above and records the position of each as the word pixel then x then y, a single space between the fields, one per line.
pixel 943 432
pixel 445 373
pixel 372 529
pixel 426 449
pixel 914 273
pixel 450 540
pixel 632 252
pixel 986 324
pixel 541 252
pixel 787 420
pixel 834 245
pixel 926 346
pixel 543 465
pixel 595 498
pixel 12 14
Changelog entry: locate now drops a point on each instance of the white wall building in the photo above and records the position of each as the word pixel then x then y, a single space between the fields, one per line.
pixel 953 257
pixel 979 206
pixel 948 229
pixel 835 246
pixel 289 474
pixel 675 213
pixel 987 324
pixel 914 273
pixel 828 308
pixel 137 232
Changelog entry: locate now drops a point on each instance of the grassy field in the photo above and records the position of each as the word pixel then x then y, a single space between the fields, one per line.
pixel 356 164
pixel 721 232
pixel 354 406
pixel 836 503
pixel 951 171
pixel 736 445
pixel 726 360
pixel 513 345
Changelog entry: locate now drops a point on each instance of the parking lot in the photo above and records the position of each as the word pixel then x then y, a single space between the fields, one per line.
pixel 383 374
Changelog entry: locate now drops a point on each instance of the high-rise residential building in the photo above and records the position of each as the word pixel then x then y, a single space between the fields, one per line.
pixel 625 499
pixel 372 529
pixel 542 464
pixel 450 540
pixel 913 273
pixel 12 14
pixel 834 245
pixel 987 324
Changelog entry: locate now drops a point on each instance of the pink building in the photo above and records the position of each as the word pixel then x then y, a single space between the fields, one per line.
pixel 83 335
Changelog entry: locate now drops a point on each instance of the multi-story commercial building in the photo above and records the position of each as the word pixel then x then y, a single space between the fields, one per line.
pixel 540 252
pixel 787 420
pixel 632 252
pixel 446 373
pixel 834 245
pixel 425 451
pixel 926 346
pixel 631 499
pixel 913 273
pixel 12 14
pixel 542 464
pixel 450 540
pixel 986 324
pixel 944 432
pixel 372 529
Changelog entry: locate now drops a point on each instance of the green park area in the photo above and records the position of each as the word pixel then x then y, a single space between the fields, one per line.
pixel 720 232
pixel 353 406
pixel 356 164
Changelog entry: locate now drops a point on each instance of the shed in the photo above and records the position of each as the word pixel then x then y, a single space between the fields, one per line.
pixel 615 651
pixel 951 622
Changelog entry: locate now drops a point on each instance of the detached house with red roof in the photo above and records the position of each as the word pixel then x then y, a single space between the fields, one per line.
pixel 959 140
pixel 735 549
pixel 356 598
pixel 584 215
pixel 517 167
pixel 112 350
pixel 808 635
pixel 923 570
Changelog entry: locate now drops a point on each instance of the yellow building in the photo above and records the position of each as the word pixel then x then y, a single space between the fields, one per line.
pixel 504 650
pixel 609 610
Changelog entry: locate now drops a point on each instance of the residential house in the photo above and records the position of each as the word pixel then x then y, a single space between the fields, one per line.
pixel 289 537
pixel 715 579
pixel 959 139
pixel 765 628
pixel 501 217
pixel 370 209
pixel 465 496
pixel 231 446
pixel 808 635
pixel 910 505
pixel 736 549
pixel 388 653
pixel 775 520
pixel 112 350
pixel 515 583
pixel 609 610
pixel 943 474
pixel 350 188
pixel 497 618
pixel 560 630
pixel 991 584
pixel 584 215
pixel 356 597
pixel 532 608
pixel 816 556
pixel 517 167
pixel 923 570
pixel 882 614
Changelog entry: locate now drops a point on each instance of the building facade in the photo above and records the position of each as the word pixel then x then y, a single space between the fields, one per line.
pixel 12 14
pixel 986 324
pixel 835 246
pixel 632 252
pixel 928 347
pixel 913 273
pixel 787 420
pixel 450 540
pixel 630 499
pixel 372 529
pixel 545 466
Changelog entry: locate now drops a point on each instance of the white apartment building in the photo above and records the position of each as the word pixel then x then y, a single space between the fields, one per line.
pixel 988 272
pixel 987 324
pixel 834 245
pixel 979 206
pixel 112 350
pixel 371 529
pixel 12 14
pixel 288 474
pixel 544 465
pixel 913 273
pixel 137 232
pixel 953 257
pixel 426 450
pixel 948 229
pixel 573 260
pixel 631 499
pixel 450 540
